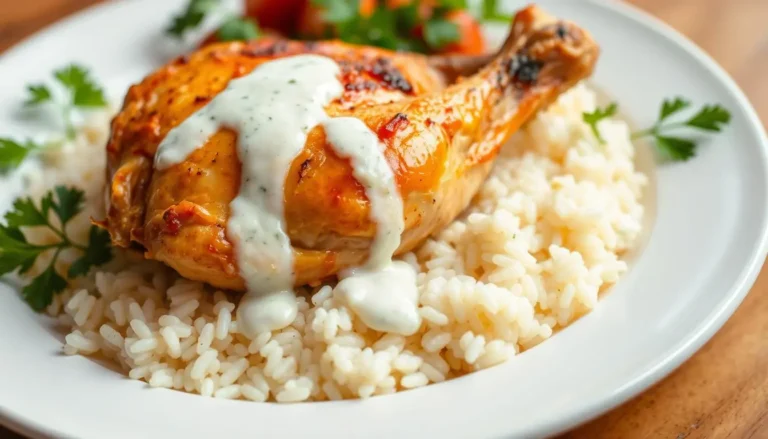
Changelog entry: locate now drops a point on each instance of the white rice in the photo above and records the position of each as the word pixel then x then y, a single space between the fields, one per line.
pixel 542 240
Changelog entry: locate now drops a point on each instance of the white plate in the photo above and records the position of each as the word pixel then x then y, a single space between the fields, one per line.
pixel 707 245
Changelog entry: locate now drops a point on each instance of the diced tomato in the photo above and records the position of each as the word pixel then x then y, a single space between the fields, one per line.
pixel 211 38
pixel 471 40
pixel 279 15
pixel 367 7
pixel 311 24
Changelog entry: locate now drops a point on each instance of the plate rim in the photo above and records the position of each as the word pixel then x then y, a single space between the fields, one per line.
pixel 685 348
pixel 679 352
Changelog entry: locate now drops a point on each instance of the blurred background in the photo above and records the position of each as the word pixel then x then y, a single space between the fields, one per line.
pixel 723 390
pixel 734 32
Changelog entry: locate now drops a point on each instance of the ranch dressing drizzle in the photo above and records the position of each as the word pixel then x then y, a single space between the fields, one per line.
pixel 272 109
pixel 383 292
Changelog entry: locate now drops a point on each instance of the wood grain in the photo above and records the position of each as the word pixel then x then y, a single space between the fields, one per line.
pixel 723 390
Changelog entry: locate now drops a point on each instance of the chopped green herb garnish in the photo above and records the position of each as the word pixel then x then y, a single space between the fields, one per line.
pixel 191 17
pixel 238 29
pixel 490 12
pixel 337 11
pixel 403 27
pixel 82 93
pixel 439 33
pixel 593 118
pixel 16 253
pixel 390 28
pixel 451 4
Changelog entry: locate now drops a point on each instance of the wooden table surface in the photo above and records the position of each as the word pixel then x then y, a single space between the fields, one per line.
pixel 722 391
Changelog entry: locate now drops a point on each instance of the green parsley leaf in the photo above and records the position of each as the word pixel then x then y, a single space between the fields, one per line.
pixel 593 118
pixel 191 17
pixel 18 254
pixel 439 33
pixel 14 233
pixel 70 203
pixel 710 118
pixel 39 293
pixel 26 264
pixel 238 29
pixel 12 153
pixel 670 107
pixel 675 148
pixel 89 96
pixel 490 12
pixel 380 29
pixel 337 11
pixel 407 18
pixel 99 251
pixel 16 251
pixel 25 214
pixel 84 91
pixel 47 203
pixel 451 4
pixel 71 76
pixel 38 94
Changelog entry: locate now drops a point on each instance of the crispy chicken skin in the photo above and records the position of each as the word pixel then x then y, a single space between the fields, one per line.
pixel 442 121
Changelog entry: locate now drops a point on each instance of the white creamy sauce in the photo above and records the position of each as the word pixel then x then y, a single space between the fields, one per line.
pixel 382 292
pixel 272 109
pixel 385 297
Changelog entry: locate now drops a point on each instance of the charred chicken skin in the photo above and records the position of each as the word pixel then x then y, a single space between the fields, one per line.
pixel 442 121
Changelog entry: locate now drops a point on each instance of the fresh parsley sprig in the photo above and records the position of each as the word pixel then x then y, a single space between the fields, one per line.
pixel 16 253
pixel 82 93
pixel 191 17
pixel 709 118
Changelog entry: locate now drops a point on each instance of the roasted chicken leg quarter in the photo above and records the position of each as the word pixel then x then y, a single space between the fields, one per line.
pixel 442 121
